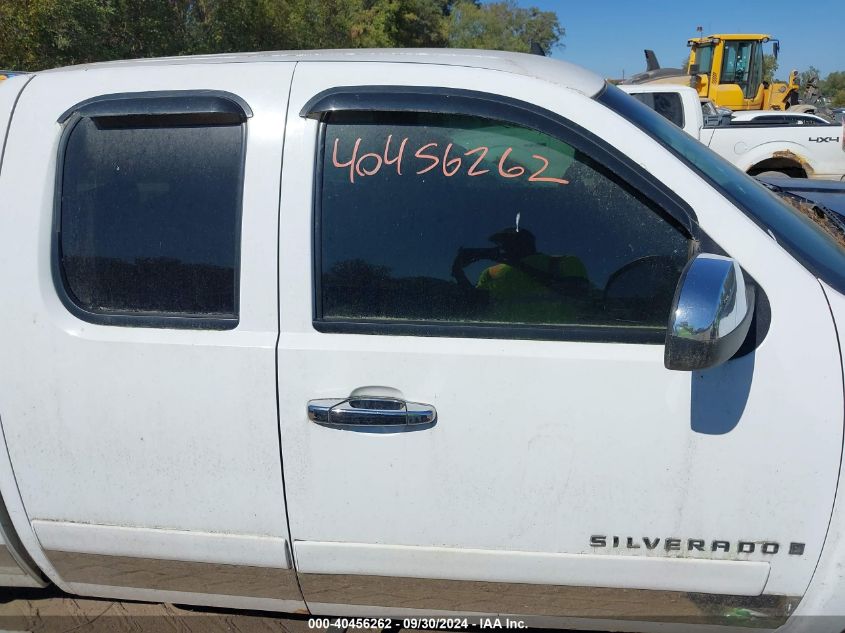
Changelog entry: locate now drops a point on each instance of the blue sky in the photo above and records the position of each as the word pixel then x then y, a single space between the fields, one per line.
pixel 609 36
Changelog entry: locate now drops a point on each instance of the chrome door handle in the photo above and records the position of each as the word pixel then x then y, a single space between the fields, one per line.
pixel 370 411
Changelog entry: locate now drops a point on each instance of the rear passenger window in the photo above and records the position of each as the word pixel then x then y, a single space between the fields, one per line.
pixel 447 219
pixel 666 104
pixel 150 213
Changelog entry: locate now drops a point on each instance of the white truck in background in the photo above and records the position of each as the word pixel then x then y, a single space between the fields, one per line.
pixel 789 146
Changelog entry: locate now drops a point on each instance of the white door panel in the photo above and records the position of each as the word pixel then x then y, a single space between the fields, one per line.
pixel 737 578
pixel 541 445
pixel 150 430
pixel 824 595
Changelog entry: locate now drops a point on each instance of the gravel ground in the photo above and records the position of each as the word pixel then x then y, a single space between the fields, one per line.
pixel 51 611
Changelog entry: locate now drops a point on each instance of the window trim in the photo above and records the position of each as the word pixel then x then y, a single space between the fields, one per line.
pixel 187 103
pixel 497 107
pixel 162 102
pixel 784 121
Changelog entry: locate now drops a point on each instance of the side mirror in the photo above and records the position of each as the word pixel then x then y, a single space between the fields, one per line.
pixel 719 119
pixel 711 314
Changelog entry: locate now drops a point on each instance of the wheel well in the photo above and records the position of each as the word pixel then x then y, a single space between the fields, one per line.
pixel 790 167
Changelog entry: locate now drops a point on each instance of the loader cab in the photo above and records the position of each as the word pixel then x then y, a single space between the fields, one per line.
pixel 742 64
pixel 701 58
pixel 729 69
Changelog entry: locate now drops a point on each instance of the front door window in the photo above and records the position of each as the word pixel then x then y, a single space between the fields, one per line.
pixel 455 219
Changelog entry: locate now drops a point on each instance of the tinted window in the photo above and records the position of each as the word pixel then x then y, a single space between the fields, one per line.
pixel 443 218
pixel 666 104
pixel 150 212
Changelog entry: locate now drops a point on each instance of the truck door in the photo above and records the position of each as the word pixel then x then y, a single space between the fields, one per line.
pixel 474 409
pixel 137 390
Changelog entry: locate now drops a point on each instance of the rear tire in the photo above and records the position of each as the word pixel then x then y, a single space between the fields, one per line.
pixel 772 174
pixel 778 168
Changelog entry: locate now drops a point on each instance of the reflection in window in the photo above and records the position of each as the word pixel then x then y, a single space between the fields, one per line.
pixel 439 218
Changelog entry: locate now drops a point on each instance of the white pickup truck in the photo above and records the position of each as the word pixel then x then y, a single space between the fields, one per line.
pixel 410 333
pixel 796 145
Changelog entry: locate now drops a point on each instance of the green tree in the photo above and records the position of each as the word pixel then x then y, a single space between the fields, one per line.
pixel 39 34
pixel 502 26
pixel 833 86
pixel 41 30
pixel 249 25
pixel 252 25
pixel 392 23
pixel 770 67
pixel 44 33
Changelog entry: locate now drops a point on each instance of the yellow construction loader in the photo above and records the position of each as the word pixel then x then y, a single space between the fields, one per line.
pixel 728 69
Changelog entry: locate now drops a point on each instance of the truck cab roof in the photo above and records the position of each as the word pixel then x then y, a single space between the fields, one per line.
pixel 546 69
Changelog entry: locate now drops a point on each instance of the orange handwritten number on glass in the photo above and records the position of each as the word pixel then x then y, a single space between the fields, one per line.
pixel 351 163
pixel 434 160
pixel 472 171
pixel 512 172
pixel 399 154
pixel 535 177
pixel 363 171
pixel 448 162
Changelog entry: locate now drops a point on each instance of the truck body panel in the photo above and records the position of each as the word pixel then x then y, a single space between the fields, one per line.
pixel 818 150
pixel 564 474
pixel 114 459
pixel 824 595
pixel 681 105
pixel 16 567
pixel 438 484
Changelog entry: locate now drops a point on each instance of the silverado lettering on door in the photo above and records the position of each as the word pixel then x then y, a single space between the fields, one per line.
pixel 694 544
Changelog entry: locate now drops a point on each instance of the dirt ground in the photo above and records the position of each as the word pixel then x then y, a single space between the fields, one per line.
pixel 51 611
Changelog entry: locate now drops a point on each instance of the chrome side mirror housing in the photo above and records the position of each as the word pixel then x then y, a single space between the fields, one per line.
pixel 711 314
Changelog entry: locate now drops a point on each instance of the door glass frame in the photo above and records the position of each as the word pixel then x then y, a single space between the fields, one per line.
pixel 672 208
pixel 173 108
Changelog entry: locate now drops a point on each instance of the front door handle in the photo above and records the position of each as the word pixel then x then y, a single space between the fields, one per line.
pixel 369 411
